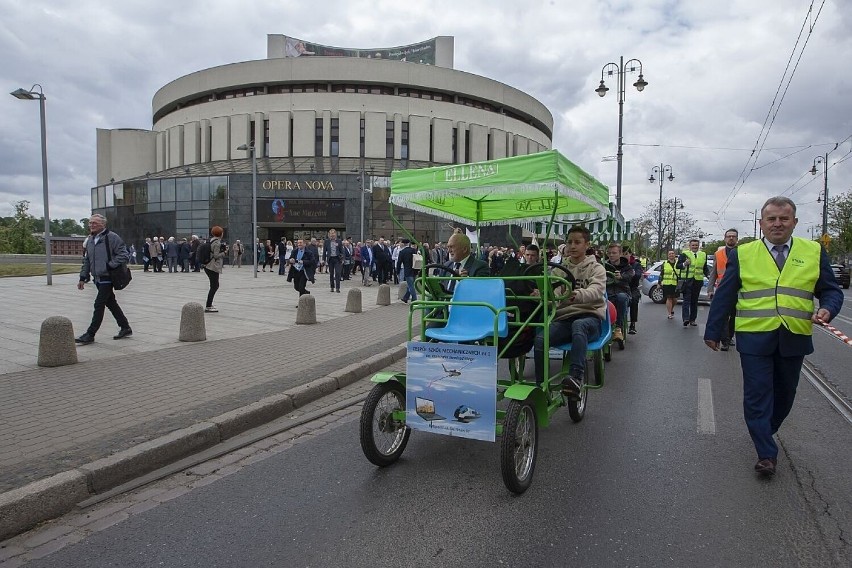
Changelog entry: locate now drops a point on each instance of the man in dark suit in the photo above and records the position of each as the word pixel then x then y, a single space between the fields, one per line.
pixel 405 262
pixel 462 261
pixel 380 260
pixel 772 282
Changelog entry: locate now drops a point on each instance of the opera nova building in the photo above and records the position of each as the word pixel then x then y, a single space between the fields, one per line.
pixel 324 128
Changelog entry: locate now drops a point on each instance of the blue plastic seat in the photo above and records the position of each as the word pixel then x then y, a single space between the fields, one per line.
pixel 473 323
pixel 602 340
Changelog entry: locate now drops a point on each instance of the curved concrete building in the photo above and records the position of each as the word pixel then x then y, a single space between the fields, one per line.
pixel 315 123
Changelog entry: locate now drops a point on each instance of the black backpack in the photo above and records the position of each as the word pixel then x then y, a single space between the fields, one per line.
pixel 205 253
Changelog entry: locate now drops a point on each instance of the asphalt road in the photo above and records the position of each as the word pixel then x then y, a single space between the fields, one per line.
pixel 657 474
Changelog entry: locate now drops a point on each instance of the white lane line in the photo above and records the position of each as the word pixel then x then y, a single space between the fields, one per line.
pixel 706 418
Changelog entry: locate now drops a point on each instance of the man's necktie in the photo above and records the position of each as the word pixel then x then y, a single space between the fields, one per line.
pixel 780 255
pixel 452 286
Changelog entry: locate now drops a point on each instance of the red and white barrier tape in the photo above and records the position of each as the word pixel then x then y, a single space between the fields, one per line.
pixel 837 333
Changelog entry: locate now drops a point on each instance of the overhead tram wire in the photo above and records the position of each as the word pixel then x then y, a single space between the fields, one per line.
pixel 716 147
pixel 764 132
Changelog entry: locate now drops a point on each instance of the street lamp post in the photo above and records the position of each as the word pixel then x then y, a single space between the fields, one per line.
pixel 661 171
pixel 361 173
pixel 32 95
pixel 824 161
pixel 251 151
pixel 620 69
pixel 675 205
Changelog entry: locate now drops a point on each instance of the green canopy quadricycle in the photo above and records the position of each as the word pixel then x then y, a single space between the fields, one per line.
pixel 451 384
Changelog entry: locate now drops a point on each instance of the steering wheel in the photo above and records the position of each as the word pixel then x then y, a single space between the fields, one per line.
pixel 538 270
pixel 433 286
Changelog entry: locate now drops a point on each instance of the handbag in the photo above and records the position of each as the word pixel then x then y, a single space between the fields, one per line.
pixel 120 275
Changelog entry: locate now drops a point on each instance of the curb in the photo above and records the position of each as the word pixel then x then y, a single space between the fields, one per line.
pixel 25 507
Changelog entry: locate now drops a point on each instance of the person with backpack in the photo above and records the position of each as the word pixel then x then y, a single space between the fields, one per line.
pixel 210 254
pixel 105 251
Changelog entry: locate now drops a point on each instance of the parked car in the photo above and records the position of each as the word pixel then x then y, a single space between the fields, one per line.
pixel 651 287
pixel 841 273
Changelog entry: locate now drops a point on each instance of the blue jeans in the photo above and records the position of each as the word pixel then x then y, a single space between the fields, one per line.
pixel 622 303
pixel 579 331
pixel 411 293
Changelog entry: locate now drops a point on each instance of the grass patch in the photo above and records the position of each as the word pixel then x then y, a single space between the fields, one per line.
pixel 36 269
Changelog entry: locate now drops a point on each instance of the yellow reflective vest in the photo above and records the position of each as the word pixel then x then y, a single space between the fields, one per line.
pixel 668 274
pixel 697 260
pixel 768 298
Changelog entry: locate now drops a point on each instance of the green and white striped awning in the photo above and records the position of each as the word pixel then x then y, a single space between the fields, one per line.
pixel 613 228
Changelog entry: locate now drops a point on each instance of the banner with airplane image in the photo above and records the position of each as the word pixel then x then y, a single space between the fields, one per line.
pixel 451 389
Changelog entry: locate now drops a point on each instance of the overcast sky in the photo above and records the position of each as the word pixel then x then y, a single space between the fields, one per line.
pixel 713 68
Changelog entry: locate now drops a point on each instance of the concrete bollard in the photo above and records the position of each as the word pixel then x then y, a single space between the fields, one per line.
pixel 192 326
pixel 403 290
pixel 306 313
pixel 353 301
pixel 56 345
pixel 383 296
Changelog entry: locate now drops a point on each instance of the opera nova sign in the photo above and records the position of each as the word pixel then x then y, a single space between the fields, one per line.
pixel 290 185
pixel 466 172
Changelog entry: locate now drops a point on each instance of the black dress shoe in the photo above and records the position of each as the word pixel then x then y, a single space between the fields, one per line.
pixel 85 339
pixel 122 333
pixel 766 466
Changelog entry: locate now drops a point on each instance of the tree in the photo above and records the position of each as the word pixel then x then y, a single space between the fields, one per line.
pixel 18 237
pixel 672 236
pixel 64 227
pixel 840 224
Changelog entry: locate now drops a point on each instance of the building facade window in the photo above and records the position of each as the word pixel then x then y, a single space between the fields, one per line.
pixel 403 139
pixel 318 138
pixel 362 137
pixel 335 137
pixel 266 138
pixel 389 128
pixel 455 148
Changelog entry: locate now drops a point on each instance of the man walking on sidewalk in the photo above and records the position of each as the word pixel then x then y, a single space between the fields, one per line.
pixel 332 254
pixel 299 261
pixel 104 250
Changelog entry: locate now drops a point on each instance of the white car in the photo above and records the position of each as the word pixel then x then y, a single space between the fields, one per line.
pixel 651 287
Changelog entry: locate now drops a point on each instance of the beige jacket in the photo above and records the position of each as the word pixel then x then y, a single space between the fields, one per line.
pixel 589 293
pixel 216 255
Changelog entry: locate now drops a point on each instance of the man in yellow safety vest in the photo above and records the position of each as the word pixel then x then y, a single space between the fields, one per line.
pixel 772 282
pixel 692 264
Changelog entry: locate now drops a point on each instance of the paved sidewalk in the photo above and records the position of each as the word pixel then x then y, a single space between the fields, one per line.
pixel 126 392
pixel 153 303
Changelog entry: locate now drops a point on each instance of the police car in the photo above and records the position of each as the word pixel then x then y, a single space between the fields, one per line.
pixel 651 287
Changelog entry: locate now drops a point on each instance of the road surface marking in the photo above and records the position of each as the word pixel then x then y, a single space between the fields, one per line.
pixel 706 419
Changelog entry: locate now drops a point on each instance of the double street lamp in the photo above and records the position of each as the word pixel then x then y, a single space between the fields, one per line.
pixel 620 69
pixel 661 171
pixel 675 204
pixel 251 150
pixel 824 161
pixel 31 95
